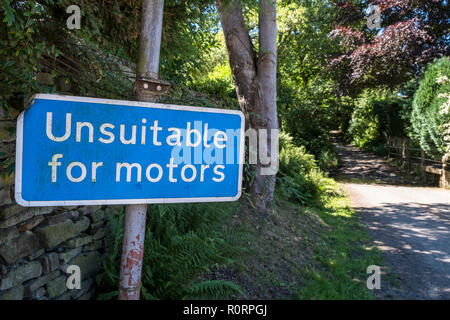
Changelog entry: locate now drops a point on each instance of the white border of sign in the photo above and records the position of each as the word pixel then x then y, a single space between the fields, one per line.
pixel 19 155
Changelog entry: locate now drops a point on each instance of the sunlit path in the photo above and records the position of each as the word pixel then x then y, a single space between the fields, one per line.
pixel 410 225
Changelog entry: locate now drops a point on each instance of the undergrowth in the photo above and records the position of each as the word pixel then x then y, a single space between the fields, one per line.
pixel 182 241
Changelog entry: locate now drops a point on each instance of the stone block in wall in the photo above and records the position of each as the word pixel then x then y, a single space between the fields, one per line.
pixel 86 286
pixel 20 247
pixel 31 223
pixel 15 293
pixel 99 234
pixel 11 211
pixel 88 210
pixel 89 263
pixel 3 271
pixel 78 241
pixel 26 272
pixel 66 256
pixel 81 225
pixel 97 216
pixel 53 235
pixel 96 226
pixel 56 287
pixel 60 217
pixel 96 245
pixel 8 234
pixel 38 294
pixel 21 274
pixel 75 294
pixel 64 297
pixel 16 214
pixel 67 208
pixel 6 283
pixel 33 285
pixel 37 211
pixel 5 196
pixel 16 219
pixel 88 295
pixel 36 255
pixel 50 262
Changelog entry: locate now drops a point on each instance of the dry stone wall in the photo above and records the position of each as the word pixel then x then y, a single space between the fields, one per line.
pixel 38 244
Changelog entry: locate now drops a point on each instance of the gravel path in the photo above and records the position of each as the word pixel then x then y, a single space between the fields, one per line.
pixel 410 225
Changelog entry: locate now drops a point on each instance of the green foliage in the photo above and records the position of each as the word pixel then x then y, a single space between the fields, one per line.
pixel 182 242
pixel 308 115
pixel 218 81
pixel 307 101
pixel 299 178
pixel 377 114
pixel 214 289
pixel 109 278
pixel 427 121
pixel 21 47
pixel 343 255
pixel 188 31
pixel 35 30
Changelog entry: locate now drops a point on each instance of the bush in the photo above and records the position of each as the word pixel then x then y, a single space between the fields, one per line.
pixel 218 82
pixel 299 178
pixel 427 120
pixel 328 158
pixel 308 114
pixel 181 242
pixel 377 115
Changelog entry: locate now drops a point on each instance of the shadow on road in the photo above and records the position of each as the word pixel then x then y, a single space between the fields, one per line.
pixel 415 241
pixel 364 167
pixel 409 224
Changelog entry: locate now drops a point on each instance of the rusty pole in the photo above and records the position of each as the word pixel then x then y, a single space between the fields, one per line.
pixel 147 87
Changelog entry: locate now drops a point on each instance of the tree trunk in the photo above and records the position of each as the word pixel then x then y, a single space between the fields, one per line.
pixel 255 82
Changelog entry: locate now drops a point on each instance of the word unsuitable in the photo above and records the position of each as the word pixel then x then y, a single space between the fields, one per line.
pixel 106 133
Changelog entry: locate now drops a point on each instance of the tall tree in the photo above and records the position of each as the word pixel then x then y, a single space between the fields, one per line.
pixel 254 75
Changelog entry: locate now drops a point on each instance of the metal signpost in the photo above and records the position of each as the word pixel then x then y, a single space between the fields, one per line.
pixel 145 89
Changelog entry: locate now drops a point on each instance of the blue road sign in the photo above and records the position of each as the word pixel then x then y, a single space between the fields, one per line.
pixel 82 151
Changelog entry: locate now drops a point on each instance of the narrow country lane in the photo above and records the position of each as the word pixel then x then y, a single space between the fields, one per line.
pixel 409 224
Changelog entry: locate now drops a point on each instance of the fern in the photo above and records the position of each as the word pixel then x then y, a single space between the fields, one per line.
pixel 182 242
pixel 213 289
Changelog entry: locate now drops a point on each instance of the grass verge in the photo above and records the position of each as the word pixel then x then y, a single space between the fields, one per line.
pixel 317 252
pixel 343 256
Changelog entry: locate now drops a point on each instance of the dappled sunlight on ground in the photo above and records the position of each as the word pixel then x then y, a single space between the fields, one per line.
pixel 411 226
